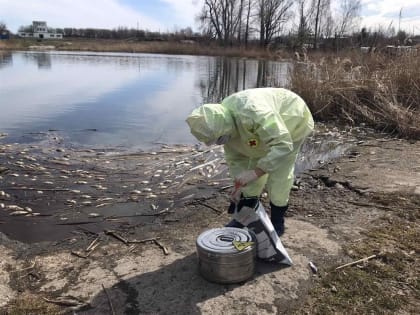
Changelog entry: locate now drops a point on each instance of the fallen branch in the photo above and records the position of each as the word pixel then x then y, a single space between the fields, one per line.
pixel 80 255
pixel 109 300
pixel 92 245
pixel 117 236
pixel 112 218
pixel 356 262
pixel 143 241
pixel 210 207
pixel 63 301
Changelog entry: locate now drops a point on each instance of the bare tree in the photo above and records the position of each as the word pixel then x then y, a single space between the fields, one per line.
pixel 247 22
pixel 322 12
pixel 3 27
pixel 220 18
pixel 304 13
pixel 347 16
pixel 271 16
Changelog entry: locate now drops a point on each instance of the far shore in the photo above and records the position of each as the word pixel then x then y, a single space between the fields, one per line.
pixel 133 46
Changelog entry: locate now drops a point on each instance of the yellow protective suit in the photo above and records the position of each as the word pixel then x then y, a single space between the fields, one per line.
pixel 267 128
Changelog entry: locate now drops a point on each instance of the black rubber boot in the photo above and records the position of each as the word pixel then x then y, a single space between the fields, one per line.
pixel 277 218
pixel 250 202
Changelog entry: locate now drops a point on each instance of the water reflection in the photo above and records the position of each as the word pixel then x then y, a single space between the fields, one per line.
pixel 229 75
pixel 130 99
pixel 6 59
pixel 42 60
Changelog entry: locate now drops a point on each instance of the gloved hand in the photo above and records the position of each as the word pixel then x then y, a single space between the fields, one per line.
pixel 246 177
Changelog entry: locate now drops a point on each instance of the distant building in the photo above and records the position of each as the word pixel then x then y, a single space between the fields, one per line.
pixel 4 34
pixel 40 30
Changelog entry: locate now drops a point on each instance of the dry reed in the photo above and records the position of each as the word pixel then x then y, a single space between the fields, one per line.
pixel 378 90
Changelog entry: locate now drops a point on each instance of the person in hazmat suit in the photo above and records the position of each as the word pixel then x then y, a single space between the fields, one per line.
pixel 262 130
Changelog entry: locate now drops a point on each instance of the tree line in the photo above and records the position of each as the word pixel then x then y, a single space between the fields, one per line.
pixel 267 23
pixel 237 21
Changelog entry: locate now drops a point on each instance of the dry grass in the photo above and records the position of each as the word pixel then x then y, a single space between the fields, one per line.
pixel 28 304
pixel 388 284
pixel 381 91
pixel 133 46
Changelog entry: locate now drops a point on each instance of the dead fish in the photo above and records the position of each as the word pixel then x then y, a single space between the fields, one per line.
pixel 99 187
pixel 151 196
pixel 39 192
pixel 105 199
pixel 49 183
pixel 70 202
pixel 2 205
pixel 15 213
pixel 64 176
pixel 86 203
pixel 14 208
pixel 86 197
pixel 136 192
pixel 75 191
pixel 147 189
pixel 145 182
pixel 93 215
pixel 81 182
pixel 103 204
pixel 14 175
pixel 60 162
pixel 27 209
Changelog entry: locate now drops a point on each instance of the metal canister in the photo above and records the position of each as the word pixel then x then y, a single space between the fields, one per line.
pixel 220 261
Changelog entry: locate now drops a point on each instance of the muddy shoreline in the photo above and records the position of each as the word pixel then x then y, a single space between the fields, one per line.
pixel 110 227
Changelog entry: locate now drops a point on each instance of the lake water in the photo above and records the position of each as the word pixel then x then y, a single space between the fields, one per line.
pixel 118 99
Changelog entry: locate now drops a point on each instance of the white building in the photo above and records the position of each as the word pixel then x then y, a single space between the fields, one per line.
pixel 40 30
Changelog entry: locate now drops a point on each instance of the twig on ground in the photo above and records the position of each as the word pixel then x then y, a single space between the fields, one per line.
pixel 117 236
pixel 165 250
pixel 143 241
pixel 63 301
pixel 210 207
pixel 356 262
pixel 80 255
pixel 91 245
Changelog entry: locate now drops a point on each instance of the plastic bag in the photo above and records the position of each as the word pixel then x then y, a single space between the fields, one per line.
pixel 269 245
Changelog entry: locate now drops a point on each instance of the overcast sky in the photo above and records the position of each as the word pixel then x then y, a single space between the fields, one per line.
pixel 168 15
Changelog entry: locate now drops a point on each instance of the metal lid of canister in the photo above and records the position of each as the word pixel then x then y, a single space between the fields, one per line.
pixel 221 240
